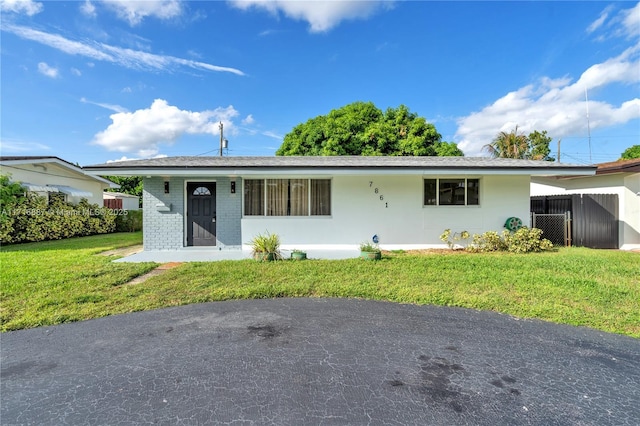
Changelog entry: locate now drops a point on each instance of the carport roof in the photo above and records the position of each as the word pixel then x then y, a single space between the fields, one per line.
pixel 335 164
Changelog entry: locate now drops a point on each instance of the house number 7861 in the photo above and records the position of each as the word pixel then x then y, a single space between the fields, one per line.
pixel 377 191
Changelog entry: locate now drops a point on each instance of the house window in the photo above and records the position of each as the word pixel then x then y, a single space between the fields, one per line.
pixel 254 197
pixel 287 197
pixel 451 192
pixel 201 190
pixel 320 197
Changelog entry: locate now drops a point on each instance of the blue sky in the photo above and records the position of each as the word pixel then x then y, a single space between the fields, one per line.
pixel 95 81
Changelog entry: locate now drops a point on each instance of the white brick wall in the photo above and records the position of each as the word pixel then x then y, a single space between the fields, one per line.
pixel 165 230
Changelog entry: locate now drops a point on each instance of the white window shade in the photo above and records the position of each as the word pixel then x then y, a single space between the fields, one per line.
pixel 38 188
pixel 73 192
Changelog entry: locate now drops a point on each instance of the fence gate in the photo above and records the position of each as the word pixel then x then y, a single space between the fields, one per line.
pixel 555 227
pixel 596 220
pixel 113 203
pixel 593 217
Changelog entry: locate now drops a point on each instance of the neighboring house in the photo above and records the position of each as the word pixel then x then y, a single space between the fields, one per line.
pixel 54 177
pixel 328 202
pixel 124 201
pixel 619 177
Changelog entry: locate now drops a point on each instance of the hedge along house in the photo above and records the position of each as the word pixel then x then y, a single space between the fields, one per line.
pixel 328 202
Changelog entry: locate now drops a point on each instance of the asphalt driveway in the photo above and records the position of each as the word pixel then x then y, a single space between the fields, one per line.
pixel 318 361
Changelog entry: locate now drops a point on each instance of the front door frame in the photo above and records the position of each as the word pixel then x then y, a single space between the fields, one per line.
pixel 186 206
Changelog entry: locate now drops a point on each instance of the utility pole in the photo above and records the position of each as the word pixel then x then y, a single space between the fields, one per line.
pixel 221 138
pixel 559 140
pixel 586 98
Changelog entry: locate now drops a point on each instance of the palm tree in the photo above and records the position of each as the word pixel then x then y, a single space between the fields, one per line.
pixel 509 145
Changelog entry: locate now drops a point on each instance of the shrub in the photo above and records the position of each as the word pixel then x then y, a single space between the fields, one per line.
pixel 526 240
pixel 34 219
pixel 487 242
pixel 266 243
pixel 11 194
pixel 129 221
pixel 457 236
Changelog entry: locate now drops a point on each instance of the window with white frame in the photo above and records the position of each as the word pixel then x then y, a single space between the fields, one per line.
pixel 451 192
pixel 287 197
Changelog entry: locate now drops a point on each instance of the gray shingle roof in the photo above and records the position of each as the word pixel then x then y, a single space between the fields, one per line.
pixel 335 162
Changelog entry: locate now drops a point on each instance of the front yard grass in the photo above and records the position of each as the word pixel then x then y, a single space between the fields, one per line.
pixel 52 282
pixel 594 288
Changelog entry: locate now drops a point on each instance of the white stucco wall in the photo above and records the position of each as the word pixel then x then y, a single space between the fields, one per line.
pixel 400 220
pixel 57 175
pixel 625 185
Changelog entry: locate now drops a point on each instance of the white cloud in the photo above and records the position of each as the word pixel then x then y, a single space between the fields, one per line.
pixel 248 119
pixel 125 158
pixel 143 130
pixel 28 7
pixel 601 19
pixel 557 106
pixel 88 9
pixel 11 146
pixel 631 21
pixel 128 58
pixel 45 69
pixel 134 11
pixel 76 72
pixel 624 23
pixel 321 15
pixel 111 107
pixel 273 135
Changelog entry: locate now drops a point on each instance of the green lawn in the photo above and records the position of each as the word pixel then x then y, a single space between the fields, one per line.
pixel 66 281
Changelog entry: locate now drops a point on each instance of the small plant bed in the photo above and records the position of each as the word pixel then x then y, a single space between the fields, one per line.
pixel 266 247
pixel 370 251
pixel 298 255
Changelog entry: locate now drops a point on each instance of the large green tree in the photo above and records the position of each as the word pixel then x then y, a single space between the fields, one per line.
pixel 361 128
pixel 513 144
pixel 631 153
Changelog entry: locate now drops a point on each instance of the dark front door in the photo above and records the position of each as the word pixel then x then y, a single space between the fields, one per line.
pixel 201 214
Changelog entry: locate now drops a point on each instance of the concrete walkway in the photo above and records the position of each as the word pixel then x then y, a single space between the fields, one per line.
pixel 318 362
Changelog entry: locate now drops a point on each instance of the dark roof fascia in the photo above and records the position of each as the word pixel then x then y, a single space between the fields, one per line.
pixel 309 167
pixel 621 168
pixel 25 159
pixel 238 170
pixel 624 166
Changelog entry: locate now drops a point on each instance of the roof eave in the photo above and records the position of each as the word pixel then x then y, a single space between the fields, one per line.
pixel 60 162
pixel 338 170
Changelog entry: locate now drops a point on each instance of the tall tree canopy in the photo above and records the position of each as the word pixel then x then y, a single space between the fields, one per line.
pixel 631 153
pixel 517 145
pixel 361 128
